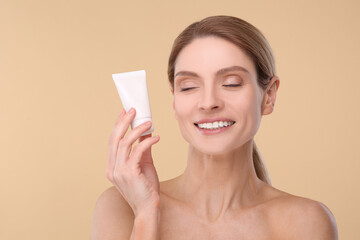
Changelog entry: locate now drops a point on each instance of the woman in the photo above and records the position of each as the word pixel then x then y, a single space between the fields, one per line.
pixel 223 80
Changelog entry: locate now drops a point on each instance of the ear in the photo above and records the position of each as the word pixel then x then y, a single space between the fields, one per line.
pixel 171 89
pixel 269 97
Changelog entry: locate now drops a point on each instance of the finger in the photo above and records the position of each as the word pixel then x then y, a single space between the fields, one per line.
pixel 139 149
pixel 126 142
pixel 118 119
pixel 142 138
pixel 121 114
pixel 123 171
pixel 111 140
pixel 122 124
pixel 119 131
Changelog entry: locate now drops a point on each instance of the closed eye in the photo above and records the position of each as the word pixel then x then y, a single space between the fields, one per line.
pixel 186 89
pixel 232 85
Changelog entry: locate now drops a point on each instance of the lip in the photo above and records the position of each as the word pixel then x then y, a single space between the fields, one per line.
pixel 213 131
pixel 211 120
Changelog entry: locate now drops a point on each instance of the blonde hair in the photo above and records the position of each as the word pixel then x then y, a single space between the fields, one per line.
pixel 245 36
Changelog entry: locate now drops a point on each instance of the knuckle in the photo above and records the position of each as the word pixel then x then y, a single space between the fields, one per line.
pixel 134 170
pixel 122 145
pixel 136 150
pixel 124 141
pixel 141 146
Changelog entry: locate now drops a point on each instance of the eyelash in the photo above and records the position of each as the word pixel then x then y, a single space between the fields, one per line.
pixel 227 85
pixel 232 85
pixel 186 89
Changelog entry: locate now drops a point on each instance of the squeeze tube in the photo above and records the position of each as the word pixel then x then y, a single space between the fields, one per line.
pixel 132 90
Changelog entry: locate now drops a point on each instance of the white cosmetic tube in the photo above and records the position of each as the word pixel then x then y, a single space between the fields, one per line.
pixel 133 92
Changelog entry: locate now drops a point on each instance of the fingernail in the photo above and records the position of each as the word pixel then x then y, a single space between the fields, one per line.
pixel 131 111
pixel 148 123
pixel 122 112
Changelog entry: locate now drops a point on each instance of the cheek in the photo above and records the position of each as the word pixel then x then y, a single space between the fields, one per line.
pixel 181 106
pixel 183 112
pixel 254 110
pixel 249 109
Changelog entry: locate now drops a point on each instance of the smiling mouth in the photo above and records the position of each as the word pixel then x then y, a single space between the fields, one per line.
pixel 214 125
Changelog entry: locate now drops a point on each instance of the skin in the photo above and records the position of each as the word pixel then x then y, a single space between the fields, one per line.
pixel 219 195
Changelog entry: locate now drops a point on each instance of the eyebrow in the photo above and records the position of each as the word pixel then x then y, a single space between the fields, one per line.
pixel 218 73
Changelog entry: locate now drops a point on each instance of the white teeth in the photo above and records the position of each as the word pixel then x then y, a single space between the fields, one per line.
pixel 215 125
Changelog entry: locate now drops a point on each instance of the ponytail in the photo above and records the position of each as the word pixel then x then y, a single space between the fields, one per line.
pixel 259 164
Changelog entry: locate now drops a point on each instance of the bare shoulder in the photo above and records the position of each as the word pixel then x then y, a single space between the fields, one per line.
pixel 302 218
pixel 113 217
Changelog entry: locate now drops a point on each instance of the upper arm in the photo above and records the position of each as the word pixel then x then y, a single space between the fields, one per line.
pixel 113 218
pixel 312 220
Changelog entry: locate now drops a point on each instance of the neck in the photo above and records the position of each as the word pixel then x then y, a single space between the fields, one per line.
pixel 213 184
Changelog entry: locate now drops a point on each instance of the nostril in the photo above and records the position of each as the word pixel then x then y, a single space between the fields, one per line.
pixel 209 108
pixel 209 102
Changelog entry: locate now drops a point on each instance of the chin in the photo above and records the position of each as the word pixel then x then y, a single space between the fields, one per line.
pixel 213 152
pixel 220 148
pixel 214 148
pixel 218 144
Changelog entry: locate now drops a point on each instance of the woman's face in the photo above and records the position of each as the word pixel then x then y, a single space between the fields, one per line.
pixel 217 100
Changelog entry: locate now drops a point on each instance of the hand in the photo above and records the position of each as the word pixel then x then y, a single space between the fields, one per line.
pixel 131 169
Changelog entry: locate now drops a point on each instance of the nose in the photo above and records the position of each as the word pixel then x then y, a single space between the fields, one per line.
pixel 210 100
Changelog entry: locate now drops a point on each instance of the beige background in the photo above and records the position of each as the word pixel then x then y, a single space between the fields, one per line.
pixel 58 102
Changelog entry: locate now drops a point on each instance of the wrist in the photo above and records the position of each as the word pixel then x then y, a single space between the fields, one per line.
pixel 146 225
pixel 148 215
pixel 149 210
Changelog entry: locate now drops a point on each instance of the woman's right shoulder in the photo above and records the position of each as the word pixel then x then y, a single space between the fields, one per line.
pixel 113 218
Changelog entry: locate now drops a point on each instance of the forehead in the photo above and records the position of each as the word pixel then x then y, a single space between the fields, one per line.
pixel 209 54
